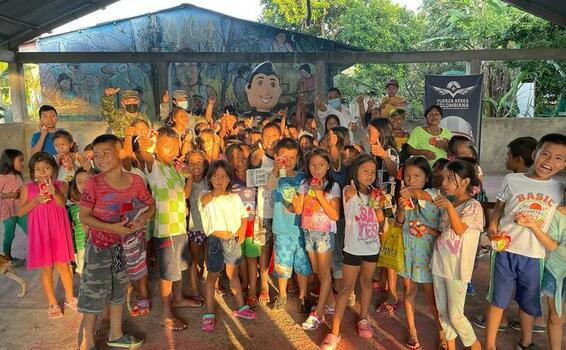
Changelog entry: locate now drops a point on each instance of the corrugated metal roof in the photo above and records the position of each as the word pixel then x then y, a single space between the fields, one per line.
pixel 551 10
pixel 23 20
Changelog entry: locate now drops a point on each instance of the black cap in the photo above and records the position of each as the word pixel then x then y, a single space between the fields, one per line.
pixel 263 68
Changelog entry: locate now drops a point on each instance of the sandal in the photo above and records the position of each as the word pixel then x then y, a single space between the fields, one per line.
pixel 413 344
pixel 387 309
pixel 141 308
pixel 207 323
pixel 377 287
pixel 173 324
pixel 126 341
pixel 220 292
pixel 251 301
pixel 72 304
pixel 264 298
pixel 54 312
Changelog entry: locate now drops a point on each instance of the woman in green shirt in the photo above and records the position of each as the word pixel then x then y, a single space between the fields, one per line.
pixel 430 141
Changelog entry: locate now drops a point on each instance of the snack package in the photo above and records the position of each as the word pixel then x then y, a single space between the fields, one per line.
pixel 131 212
pixel 283 161
pixel 501 242
pixel 315 182
pixel 417 228
pixel 376 198
pixel 43 190
pixel 182 168
pixel 409 204
pixel 434 140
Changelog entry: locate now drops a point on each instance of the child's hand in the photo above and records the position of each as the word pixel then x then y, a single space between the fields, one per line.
pixel 42 198
pixel 111 91
pixel 350 190
pixel 525 220
pixel 211 99
pixel 441 202
pixel 332 138
pixel 42 128
pixel 378 150
pixel 144 142
pixel 121 228
pixel 404 192
pixel 129 131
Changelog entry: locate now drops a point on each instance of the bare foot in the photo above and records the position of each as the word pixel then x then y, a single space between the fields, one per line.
pixel 173 324
pixel 103 327
pixel 185 302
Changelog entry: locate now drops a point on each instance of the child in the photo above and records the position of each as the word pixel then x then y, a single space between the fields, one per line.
pixel 455 251
pixel 519 157
pixel 519 266
pixel 197 239
pixel 78 185
pixel 290 253
pixel 554 273
pixel 11 182
pixel 43 139
pixel 170 237
pixel 397 117
pixel 49 231
pixel 318 203
pixel 420 228
pixel 66 155
pixel 224 219
pixel 104 275
pixel 251 250
pixel 437 170
pixel 364 223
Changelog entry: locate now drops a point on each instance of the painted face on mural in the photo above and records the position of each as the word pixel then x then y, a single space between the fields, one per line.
pixel 264 92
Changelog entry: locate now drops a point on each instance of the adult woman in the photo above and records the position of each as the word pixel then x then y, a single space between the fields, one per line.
pixel 430 141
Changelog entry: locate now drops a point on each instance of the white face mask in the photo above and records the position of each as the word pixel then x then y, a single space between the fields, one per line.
pixel 183 104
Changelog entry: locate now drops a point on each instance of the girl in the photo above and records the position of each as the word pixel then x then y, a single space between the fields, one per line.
pixel 224 220
pixel 331 122
pixel 419 223
pixel 11 182
pixel 318 203
pixel 66 155
pixel 197 239
pixel 455 250
pixel 49 239
pixel 78 186
pixel 361 245
pixel 238 158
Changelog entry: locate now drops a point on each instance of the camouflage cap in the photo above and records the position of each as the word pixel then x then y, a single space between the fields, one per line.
pixel 179 94
pixel 130 94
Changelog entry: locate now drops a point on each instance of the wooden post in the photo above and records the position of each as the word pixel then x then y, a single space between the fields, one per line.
pixel 319 87
pixel 473 67
pixel 162 85
pixel 17 92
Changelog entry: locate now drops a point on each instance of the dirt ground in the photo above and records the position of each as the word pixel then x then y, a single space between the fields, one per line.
pixel 24 323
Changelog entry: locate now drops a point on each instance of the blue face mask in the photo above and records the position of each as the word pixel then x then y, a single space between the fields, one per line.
pixel 334 103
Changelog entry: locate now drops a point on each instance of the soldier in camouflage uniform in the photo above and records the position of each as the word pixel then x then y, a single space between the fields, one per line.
pixel 119 119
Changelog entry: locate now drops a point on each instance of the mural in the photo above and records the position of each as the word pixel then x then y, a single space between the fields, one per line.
pixel 75 89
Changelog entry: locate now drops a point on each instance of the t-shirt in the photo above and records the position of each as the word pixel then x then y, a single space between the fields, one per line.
pixel 538 198
pixel 222 213
pixel 313 217
pixel 48 145
pixel 248 195
pixel 339 175
pixel 453 257
pixel 106 203
pixel 168 189
pixel 362 228
pixel 557 232
pixel 344 116
pixel 79 234
pixel 420 139
pixel 195 221
pixel 284 220
pixel 265 196
pixel 9 183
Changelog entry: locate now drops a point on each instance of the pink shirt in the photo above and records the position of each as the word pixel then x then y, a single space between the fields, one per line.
pixel 9 183
pixel 106 202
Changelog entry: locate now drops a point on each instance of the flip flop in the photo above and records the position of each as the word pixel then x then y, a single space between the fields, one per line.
pixel 387 309
pixel 174 325
pixel 264 298
pixel 54 312
pixel 413 344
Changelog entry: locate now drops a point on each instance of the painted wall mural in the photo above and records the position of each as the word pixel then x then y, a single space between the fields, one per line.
pixel 75 89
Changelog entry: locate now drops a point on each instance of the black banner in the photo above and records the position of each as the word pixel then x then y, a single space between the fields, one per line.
pixel 460 97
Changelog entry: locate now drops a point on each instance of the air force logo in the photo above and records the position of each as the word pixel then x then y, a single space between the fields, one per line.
pixel 453 89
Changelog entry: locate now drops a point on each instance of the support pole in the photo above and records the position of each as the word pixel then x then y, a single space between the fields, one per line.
pixel 320 81
pixel 473 67
pixel 17 92
pixel 162 85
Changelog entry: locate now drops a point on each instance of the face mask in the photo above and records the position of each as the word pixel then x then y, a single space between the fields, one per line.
pixel 132 108
pixel 183 104
pixel 334 103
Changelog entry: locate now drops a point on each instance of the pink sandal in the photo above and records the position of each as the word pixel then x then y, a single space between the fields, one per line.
pixel 387 309
pixel 141 308
pixel 207 323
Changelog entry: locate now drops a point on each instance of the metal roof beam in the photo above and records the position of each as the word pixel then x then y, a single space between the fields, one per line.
pixel 7 56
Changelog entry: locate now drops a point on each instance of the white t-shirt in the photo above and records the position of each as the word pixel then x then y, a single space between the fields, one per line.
pixel 539 198
pixel 195 221
pixel 362 229
pixel 313 216
pixel 222 213
pixel 453 257
pixel 265 196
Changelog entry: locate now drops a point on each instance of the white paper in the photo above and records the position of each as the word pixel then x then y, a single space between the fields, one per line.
pixel 257 177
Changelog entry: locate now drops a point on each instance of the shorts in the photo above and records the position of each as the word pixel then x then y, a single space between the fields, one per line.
pixel 548 285
pixel 197 237
pixel 263 231
pixel 149 229
pixel 290 254
pixel 319 242
pixel 513 271
pixel 80 261
pixel 173 256
pixel 337 254
pixel 222 251
pixel 356 260
pixel 104 279
pixel 134 252
pixel 251 249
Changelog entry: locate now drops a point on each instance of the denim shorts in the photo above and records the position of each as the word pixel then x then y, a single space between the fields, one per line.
pixel 222 251
pixel 548 285
pixel 319 242
pixel 173 256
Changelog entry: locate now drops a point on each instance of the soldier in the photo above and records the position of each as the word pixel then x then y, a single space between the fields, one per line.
pixel 119 119
pixel 179 100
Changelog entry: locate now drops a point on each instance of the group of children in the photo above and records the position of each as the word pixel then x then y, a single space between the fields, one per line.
pixel 185 196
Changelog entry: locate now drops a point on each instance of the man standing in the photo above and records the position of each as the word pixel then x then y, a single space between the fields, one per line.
pixel 391 100
pixel 119 119
pixel 334 106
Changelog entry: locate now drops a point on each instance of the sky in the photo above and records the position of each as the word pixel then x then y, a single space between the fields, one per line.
pixel 244 9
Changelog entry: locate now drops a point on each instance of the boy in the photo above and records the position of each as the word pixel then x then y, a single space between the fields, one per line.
pixel 43 139
pixel 170 236
pixel 263 233
pixel 290 252
pixel 519 157
pixel 520 265
pixel 104 276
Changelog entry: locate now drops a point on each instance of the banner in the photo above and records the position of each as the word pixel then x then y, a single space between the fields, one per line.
pixel 460 97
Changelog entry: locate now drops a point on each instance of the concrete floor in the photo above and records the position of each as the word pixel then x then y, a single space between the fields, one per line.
pixel 24 323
